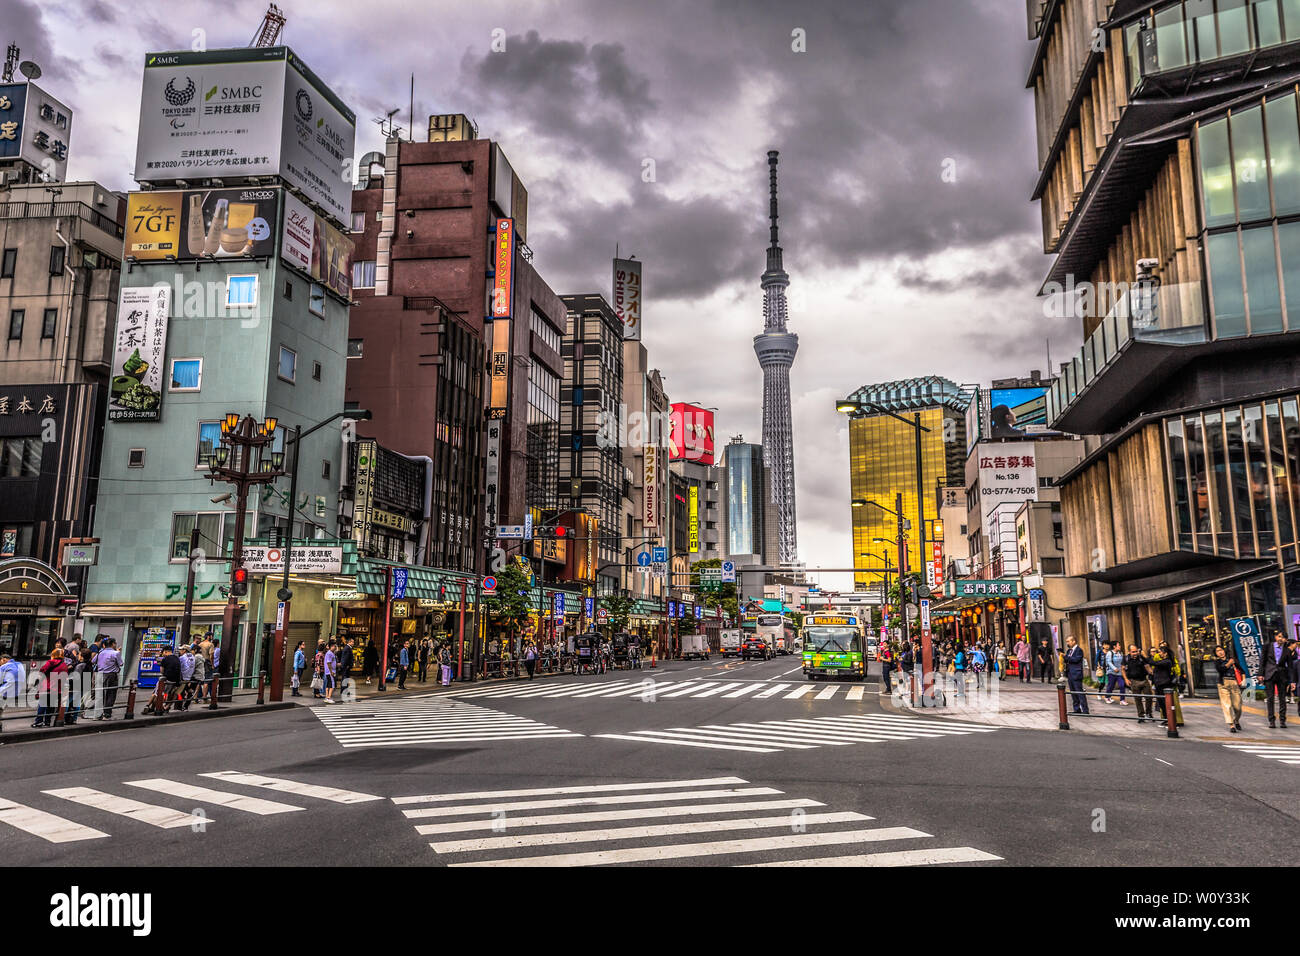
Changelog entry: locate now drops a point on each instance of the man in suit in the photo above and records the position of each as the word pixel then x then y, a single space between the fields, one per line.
pixel 1275 673
pixel 1074 664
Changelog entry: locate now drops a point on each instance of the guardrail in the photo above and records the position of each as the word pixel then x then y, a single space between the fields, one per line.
pixel 1171 714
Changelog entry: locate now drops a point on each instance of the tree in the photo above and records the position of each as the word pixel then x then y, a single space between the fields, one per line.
pixel 510 606
pixel 619 607
pixel 724 598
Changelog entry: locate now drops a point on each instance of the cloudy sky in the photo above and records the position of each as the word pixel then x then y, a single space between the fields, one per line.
pixel 896 270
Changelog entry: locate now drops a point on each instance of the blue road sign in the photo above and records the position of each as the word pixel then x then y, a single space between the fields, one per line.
pixel 489 584
pixel 672 608
pixel 643 559
pixel 589 606
pixel 699 612
pixel 728 572
pixel 661 555
pixel 559 603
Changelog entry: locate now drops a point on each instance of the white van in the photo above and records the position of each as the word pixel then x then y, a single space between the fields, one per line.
pixel 731 642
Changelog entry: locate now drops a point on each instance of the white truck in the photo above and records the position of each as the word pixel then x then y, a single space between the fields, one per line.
pixel 730 642
pixel 695 646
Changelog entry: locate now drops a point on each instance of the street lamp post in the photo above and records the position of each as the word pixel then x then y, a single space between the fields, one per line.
pixel 284 595
pixel 241 458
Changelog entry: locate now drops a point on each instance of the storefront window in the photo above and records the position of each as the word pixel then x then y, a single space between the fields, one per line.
pixel 1276 475
pixel 1291 436
pixel 1239 483
pixel 1178 463
pixel 1198 615
pixel 1266 604
pixel 1216 456
pixel 1199 484
pixel 1257 475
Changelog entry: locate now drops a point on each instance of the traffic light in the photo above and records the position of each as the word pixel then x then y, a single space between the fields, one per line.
pixel 913 591
pixel 559 531
pixel 239 582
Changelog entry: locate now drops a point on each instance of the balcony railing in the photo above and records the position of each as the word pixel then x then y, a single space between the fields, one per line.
pixel 1172 314
pixel 1174 40
pixel 50 210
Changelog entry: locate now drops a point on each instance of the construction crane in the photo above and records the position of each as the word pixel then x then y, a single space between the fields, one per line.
pixel 268 34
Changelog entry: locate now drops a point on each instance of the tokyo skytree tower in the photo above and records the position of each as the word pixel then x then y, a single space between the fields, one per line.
pixel 776 349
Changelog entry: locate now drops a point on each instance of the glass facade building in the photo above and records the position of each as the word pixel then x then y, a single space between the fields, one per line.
pixel 746 498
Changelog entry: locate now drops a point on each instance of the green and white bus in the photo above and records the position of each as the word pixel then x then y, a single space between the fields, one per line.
pixel 834 645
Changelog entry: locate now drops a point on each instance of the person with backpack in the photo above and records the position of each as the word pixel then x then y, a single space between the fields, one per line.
pixel 1113 664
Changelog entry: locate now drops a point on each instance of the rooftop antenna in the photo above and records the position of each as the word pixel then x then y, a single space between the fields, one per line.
pixel 11 60
pixel 386 123
pixel 268 33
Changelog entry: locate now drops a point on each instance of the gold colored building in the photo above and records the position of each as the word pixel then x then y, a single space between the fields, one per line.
pixel 882 465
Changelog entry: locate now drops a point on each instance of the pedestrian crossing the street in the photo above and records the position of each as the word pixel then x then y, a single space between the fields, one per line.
pixel 60 818
pixel 1289 755
pixel 711 820
pixel 772 736
pixel 428 720
pixel 649 688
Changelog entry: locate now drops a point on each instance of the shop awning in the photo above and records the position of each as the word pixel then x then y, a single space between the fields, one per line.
pixel 420 582
pixel 1169 593
pixel 155 609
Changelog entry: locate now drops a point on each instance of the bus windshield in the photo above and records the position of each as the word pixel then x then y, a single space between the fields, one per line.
pixel 842 640
pixel 770 620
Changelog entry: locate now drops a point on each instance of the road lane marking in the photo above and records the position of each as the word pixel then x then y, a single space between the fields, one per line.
pixel 220 797
pixel 716 690
pixel 771 691
pixel 743 691
pixel 659 737
pixel 689 688
pixel 855 693
pixel 828 693
pixel 689 850
pixel 610 816
pixel 163 817
pixel 426 812
pixel 799 691
pixel 956 854
pixel 640 833
pixel 291 786
pixel 558 791
pixel 47 826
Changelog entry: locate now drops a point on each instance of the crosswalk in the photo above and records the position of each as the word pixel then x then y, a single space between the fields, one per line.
pixel 772 736
pixel 649 688
pixel 1289 755
pixel 75 814
pixel 428 720
pixel 662 821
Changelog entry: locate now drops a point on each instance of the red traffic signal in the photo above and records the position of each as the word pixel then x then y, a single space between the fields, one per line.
pixel 239 582
pixel 559 531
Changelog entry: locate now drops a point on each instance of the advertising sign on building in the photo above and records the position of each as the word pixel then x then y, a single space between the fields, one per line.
pixel 312 244
pixel 691 434
pixel 186 225
pixel 139 354
pixel 627 296
pixel 650 488
pixel 36 128
pixel 363 493
pixel 1018 412
pixel 503 264
pixel 1249 641
pixel 245 112
pixel 969 588
pixel 493 476
pixel 694 518
pixel 1008 474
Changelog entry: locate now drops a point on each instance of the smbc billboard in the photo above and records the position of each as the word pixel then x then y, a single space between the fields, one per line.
pixel 254 112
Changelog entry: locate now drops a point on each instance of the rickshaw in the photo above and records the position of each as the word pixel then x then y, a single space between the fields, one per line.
pixel 586 647
pixel 619 648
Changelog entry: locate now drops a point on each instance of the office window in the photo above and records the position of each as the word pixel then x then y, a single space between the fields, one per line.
pixel 316 300
pixel 8 264
pixel 241 291
pixel 355 347
pixel 15 325
pixel 21 457
pixel 57 254
pixel 363 274
pixel 315 371
pixel 187 374
pixel 358 222
pixel 288 290
pixel 288 368
pixel 324 469
pixel 209 438
pixel 48 323
pixel 213 527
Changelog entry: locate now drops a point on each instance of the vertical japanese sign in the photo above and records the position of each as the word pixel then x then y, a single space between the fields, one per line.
pixel 936 565
pixel 1008 475
pixel 627 296
pixel 363 494
pixel 493 477
pixel 503 288
pixel 695 518
pixel 650 488
pixel 139 354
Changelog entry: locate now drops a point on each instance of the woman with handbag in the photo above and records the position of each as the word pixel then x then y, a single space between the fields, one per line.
pixel 318 672
pixel 1230 679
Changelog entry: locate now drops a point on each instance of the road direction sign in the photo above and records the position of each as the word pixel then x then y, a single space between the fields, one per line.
pixel 661 555
pixel 643 559
pixel 510 531
pixel 728 572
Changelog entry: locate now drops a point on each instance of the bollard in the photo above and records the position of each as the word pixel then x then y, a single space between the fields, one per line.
pixel 261 688
pixel 130 701
pixel 1171 717
pixel 1060 707
pixel 212 694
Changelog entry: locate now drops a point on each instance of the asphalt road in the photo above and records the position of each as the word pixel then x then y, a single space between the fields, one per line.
pixel 710 763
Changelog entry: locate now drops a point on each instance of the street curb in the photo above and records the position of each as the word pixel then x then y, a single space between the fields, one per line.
pixel 104 727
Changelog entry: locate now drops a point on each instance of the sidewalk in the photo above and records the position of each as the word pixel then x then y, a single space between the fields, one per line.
pixel 1034 706
pixel 16 723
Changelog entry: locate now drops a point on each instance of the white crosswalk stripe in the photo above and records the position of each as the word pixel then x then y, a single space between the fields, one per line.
pixel 670 821
pixel 1290 755
pixel 222 798
pixel 289 786
pixel 163 817
pixel 48 826
pixel 436 720
pixel 694 688
pixel 771 736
